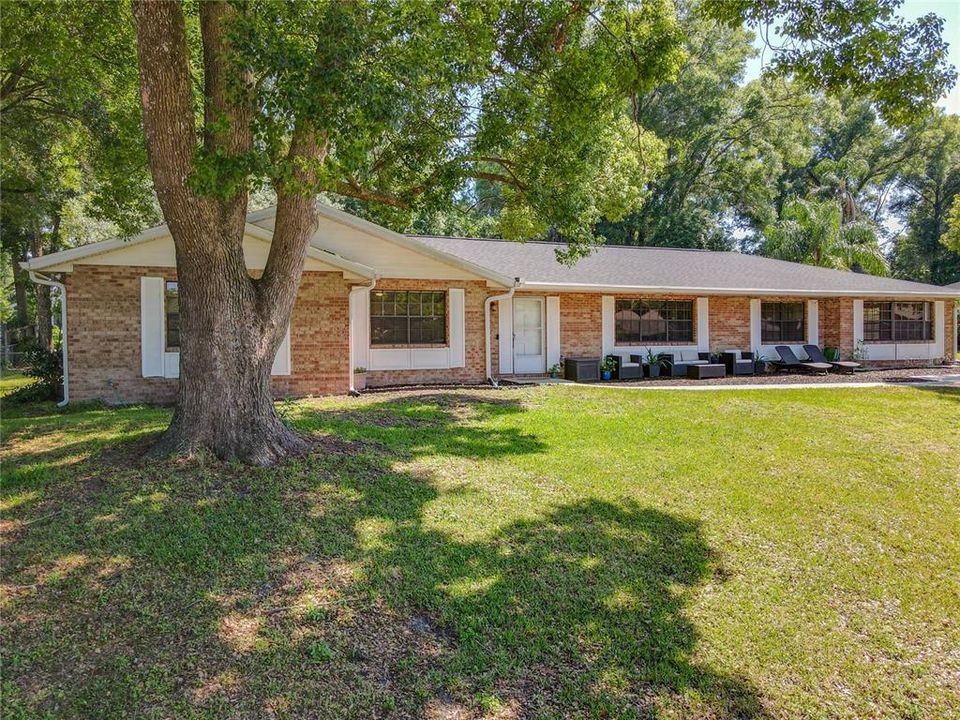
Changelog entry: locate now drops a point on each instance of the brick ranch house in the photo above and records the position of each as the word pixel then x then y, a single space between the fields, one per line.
pixel 453 310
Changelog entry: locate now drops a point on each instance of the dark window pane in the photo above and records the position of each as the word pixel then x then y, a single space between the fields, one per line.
pixel 781 322
pixel 388 331
pixel 171 307
pixel 653 321
pixel 399 317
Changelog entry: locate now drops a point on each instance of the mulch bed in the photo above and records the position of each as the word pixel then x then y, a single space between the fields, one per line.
pixel 891 375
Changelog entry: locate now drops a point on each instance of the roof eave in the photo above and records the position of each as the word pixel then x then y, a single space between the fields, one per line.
pixel 755 292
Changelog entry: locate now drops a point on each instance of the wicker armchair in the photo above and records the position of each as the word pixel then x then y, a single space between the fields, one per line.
pixel 626 369
pixel 737 362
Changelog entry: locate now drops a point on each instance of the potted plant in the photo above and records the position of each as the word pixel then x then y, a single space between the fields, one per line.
pixel 759 362
pixel 860 352
pixel 554 370
pixel 832 354
pixel 359 378
pixel 607 367
pixel 654 362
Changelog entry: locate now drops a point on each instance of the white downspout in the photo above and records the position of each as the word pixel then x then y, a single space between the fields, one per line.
pixel 355 289
pixel 37 278
pixel 486 326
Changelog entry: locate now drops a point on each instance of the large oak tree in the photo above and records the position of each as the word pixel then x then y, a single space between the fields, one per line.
pixel 392 102
pixel 400 102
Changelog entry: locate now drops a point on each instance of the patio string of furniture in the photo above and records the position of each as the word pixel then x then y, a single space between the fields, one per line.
pixel 677 363
pixel 816 355
pixel 626 369
pixel 738 362
pixel 790 362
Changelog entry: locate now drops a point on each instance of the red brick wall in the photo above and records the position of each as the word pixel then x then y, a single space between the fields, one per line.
pixel 581 324
pixel 729 321
pixel 319 339
pixel 103 326
pixel 103 335
pixel 475 293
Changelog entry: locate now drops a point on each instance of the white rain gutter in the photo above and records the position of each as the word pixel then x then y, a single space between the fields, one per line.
pixel 355 289
pixel 486 326
pixel 37 278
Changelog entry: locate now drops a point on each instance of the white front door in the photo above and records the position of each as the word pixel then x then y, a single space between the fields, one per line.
pixel 528 340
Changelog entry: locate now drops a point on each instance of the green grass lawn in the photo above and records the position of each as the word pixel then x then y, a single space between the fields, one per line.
pixel 11 380
pixel 545 552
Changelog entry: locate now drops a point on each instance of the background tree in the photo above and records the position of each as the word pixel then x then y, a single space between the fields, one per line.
pixel 928 187
pixel 951 238
pixel 70 137
pixel 815 232
pixel 694 115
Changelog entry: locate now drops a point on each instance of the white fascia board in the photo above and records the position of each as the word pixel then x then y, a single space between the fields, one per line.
pixel 324 256
pixel 753 292
pixel 93 249
pixel 84 252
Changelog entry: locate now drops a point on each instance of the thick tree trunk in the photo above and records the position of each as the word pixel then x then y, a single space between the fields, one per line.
pixel 224 401
pixel 230 324
pixel 20 291
pixel 44 316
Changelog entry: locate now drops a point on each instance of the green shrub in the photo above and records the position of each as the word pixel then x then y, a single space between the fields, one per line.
pixel 46 368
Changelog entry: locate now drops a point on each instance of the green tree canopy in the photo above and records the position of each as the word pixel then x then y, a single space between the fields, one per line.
pixel 813 232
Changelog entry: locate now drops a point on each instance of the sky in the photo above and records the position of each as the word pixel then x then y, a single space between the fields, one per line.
pixel 949 10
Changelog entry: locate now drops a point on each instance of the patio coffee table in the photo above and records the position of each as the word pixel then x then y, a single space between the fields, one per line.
pixel 702 372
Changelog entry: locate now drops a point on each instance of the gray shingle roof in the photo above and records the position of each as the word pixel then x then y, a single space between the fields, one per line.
pixel 663 269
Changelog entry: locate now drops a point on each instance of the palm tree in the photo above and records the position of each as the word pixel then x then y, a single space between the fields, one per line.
pixel 813 232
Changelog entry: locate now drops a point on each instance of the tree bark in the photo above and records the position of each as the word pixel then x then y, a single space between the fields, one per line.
pixel 20 290
pixel 230 324
pixel 44 317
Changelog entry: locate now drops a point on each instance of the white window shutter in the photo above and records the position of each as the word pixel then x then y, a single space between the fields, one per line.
pixel 813 322
pixel 152 342
pixel 756 334
pixel 608 310
pixel 553 330
pixel 458 350
pixel 703 324
pixel 857 322
pixel 281 362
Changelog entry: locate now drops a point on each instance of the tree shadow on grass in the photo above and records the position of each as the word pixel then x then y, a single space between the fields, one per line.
pixel 317 589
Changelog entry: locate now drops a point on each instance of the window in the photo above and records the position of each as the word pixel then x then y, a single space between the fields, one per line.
pixel 897 322
pixel 408 318
pixel 653 321
pixel 781 322
pixel 171 310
